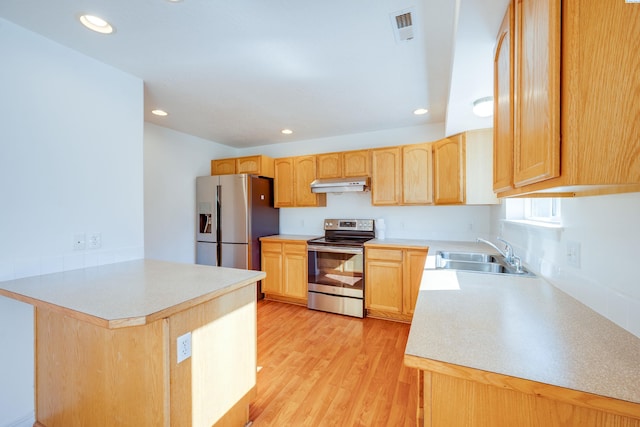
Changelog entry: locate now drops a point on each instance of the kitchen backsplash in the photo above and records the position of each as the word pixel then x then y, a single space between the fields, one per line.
pixel 402 222
pixel 605 228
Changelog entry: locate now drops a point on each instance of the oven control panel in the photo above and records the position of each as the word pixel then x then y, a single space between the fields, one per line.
pixel 349 224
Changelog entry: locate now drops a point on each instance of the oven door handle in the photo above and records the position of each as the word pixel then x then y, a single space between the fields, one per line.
pixel 335 249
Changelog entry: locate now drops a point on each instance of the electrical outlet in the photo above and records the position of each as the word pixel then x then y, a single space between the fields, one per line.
pixel 94 240
pixel 573 254
pixel 78 242
pixel 184 346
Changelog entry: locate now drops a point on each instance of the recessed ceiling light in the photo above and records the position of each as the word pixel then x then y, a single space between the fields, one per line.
pixel 420 111
pixel 483 107
pixel 96 24
pixel 159 113
pixel 286 131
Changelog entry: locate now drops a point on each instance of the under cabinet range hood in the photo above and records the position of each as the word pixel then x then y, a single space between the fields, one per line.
pixel 340 185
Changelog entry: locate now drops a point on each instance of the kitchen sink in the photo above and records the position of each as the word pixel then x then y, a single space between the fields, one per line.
pixel 467 256
pixel 478 262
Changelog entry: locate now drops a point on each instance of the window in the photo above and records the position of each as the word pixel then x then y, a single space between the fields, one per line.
pixel 535 210
pixel 542 210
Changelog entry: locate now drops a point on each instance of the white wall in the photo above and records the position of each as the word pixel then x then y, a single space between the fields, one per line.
pixel 606 228
pixel 172 161
pixel 383 138
pixel 71 162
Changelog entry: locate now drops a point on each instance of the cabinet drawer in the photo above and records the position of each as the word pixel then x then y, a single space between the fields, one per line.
pixel 295 248
pixel 384 254
pixel 271 247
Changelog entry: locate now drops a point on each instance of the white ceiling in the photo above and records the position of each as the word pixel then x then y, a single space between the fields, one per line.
pixel 237 72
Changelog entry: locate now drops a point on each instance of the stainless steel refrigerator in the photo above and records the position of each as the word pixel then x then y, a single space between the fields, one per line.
pixel 232 212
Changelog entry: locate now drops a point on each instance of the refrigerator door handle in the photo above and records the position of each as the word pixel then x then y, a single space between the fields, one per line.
pixel 219 225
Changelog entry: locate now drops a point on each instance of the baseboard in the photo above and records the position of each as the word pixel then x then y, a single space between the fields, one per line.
pixel 25 421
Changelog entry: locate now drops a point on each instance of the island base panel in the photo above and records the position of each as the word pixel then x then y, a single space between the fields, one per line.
pixel 90 375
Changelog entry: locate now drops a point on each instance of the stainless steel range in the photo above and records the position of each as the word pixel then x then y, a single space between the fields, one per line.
pixel 336 266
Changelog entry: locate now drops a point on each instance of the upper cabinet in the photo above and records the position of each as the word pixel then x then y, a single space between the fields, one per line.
pixel 455 170
pixel 574 107
pixel 537 84
pixel 386 176
pixel 449 159
pixel 503 110
pixel 292 183
pixel 253 165
pixel 344 164
pixel 417 175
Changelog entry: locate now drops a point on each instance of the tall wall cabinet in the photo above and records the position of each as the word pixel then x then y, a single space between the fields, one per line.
pixel 570 119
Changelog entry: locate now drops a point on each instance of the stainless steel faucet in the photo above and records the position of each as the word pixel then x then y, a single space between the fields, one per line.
pixel 507 253
pixel 508 249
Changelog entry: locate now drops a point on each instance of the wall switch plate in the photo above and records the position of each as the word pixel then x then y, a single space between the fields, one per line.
pixel 94 240
pixel 78 242
pixel 184 347
pixel 573 254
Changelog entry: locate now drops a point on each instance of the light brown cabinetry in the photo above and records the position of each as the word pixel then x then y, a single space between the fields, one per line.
pixel 253 165
pixel 91 375
pixel 417 174
pixel 503 109
pixel 285 263
pixel 292 183
pixel 449 162
pixel 344 164
pixel 402 175
pixel 383 288
pixel 537 84
pixel 575 112
pixel 496 400
pixel 386 176
pixel 393 274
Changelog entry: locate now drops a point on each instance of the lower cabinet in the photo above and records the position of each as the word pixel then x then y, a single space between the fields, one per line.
pixel 392 280
pixel 285 263
pixel 490 399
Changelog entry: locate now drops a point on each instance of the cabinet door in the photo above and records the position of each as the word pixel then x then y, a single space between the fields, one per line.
pixel 283 189
pixel 272 265
pixel 417 175
pixel 223 167
pixel 251 165
pixel 386 176
pixel 295 270
pixel 503 111
pixel 356 163
pixel 448 169
pixel 537 77
pixel 329 165
pixel 384 273
pixel 414 260
pixel 304 174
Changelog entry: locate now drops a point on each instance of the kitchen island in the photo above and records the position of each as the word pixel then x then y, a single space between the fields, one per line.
pixel 500 350
pixel 106 344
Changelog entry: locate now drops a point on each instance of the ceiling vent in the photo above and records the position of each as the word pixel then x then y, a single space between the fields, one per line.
pixel 402 22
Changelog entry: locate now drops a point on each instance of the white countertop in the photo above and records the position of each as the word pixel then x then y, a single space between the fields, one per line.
pixel 128 293
pixel 521 327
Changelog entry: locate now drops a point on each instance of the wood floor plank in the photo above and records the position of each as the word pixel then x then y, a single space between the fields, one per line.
pixel 323 369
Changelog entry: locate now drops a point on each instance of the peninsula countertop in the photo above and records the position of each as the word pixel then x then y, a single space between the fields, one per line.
pixel 129 293
pixel 521 327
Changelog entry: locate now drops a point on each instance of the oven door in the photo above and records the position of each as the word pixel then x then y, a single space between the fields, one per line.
pixel 336 270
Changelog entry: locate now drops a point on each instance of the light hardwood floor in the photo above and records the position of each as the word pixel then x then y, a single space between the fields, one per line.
pixel 323 369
